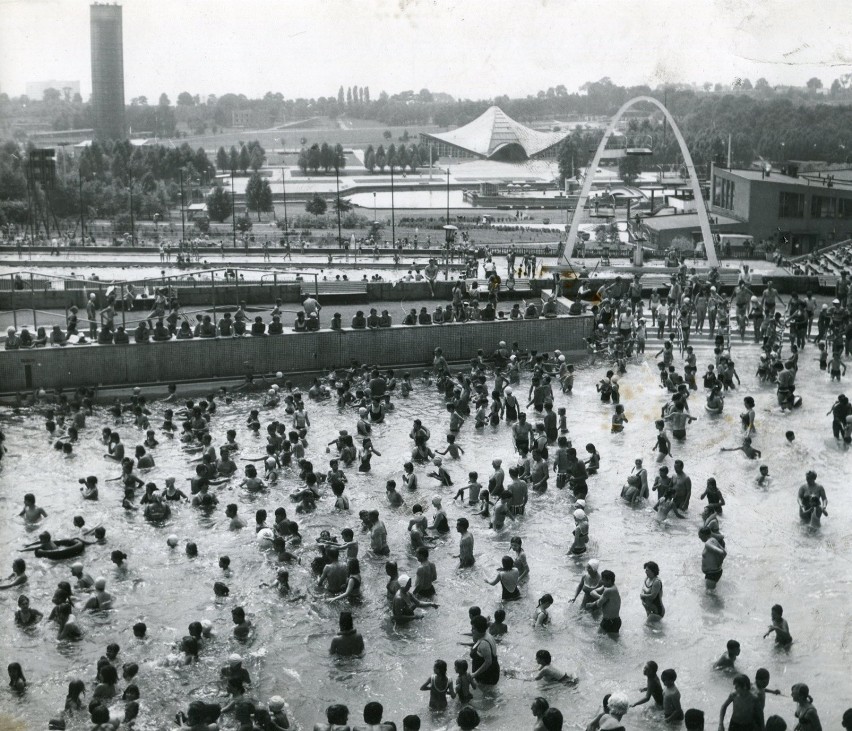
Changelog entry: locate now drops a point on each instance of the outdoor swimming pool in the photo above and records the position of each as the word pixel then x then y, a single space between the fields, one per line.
pixel 772 558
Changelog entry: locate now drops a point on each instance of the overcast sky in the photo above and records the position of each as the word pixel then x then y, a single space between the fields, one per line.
pixel 468 48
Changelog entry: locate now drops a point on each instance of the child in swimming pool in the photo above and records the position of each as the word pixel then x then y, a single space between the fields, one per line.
pixel 618 419
pixel 780 627
pixel 464 682
pixel 439 687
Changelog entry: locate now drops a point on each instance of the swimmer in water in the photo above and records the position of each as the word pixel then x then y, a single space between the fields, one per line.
pixel 101 599
pixel 746 449
pixel 780 627
pixel 31 512
pixel 18 577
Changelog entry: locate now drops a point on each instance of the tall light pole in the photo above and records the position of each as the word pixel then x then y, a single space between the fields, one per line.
pixel 284 192
pixel 233 209
pixel 182 212
pixel 82 220
pixel 132 222
pixel 374 206
pixel 337 185
pixel 393 213
pixel 448 196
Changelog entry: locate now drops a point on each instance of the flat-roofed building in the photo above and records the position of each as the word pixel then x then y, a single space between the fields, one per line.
pixel 799 213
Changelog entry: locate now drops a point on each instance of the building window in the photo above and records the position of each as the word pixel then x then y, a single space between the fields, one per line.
pixel 844 208
pixel 723 193
pixel 791 205
pixel 823 206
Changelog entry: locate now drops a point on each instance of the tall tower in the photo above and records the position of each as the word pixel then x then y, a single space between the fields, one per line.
pixel 107 72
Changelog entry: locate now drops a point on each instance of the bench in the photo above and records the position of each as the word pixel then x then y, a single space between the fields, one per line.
pixel 334 288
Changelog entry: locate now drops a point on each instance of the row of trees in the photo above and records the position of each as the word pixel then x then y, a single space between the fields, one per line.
pixel 322 157
pixel 64 110
pixel 251 155
pixel 100 177
pixel 394 157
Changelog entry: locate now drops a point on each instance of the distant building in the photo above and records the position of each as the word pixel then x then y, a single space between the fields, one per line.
pixel 661 232
pixel 241 117
pixel 107 51
pixel 494 135
pixel 36 89
pixel 59 137
pixel 798 213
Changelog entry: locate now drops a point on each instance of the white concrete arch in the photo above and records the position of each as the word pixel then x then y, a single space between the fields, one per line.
pixel 703 220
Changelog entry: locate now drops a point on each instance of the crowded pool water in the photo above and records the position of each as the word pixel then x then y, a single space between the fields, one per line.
pixel 772 558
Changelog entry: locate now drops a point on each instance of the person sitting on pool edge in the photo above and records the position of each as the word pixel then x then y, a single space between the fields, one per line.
pixel 359 322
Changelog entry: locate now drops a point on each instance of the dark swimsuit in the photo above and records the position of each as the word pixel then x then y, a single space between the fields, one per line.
pixel 490 676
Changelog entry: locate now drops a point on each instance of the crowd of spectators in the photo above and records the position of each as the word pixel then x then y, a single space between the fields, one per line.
pixel 166 321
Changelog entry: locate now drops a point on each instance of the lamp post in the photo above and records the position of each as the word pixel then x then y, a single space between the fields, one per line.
pixel 233 209
pixel 182 212
pixel 337 185
pixel 132 222
pixel 448 196
pixel 82 219
pixel 284 192
pixel 374 206
pixel 393 213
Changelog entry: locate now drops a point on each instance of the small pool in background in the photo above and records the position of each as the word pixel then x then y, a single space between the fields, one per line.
pixel 772 558
pixel 410 199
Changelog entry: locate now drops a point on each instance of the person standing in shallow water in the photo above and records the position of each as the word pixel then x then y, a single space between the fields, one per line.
pixel 652 592
pixel 465 554
pixel 483 653
pixel 712 557
pixel 609 602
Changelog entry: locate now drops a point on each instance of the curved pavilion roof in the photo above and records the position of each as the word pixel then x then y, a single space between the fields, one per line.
pixel 493 130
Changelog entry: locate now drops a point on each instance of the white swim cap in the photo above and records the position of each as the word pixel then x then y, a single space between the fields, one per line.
pixel 271 392
pixel 76 565
pixel 265 534
pixel 580 503
pixel 754 298
pixel 275 387
pixel 100 583
pixel 235 658
pixel 509 390
pixel 712 289
pixel 279 374
pixel 579 514
pixel 404 579
pixel 172 540
pixel 561 358
pixel 593 564
pixel 276 702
